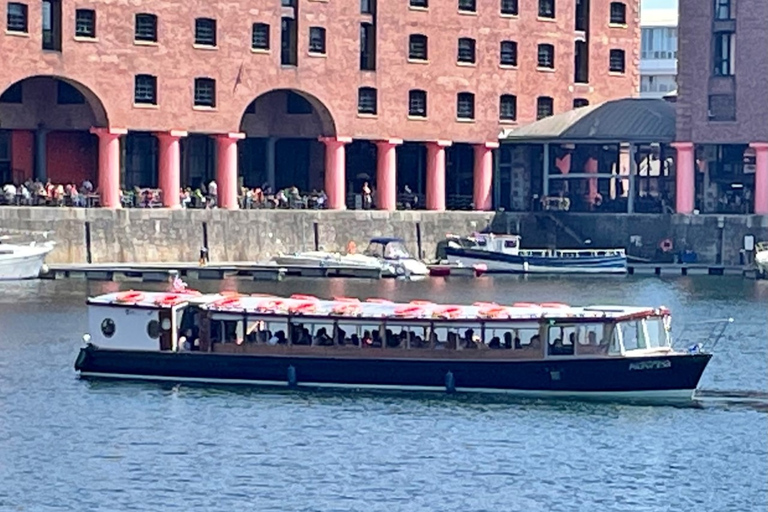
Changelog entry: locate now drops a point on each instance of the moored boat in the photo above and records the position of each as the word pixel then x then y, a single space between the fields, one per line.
pixel 597 352
pixel 503 254
pixel 23 261
pixel 761 258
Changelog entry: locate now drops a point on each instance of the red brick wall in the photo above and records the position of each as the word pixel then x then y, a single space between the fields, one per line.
pixel 22 155
pixel 72 157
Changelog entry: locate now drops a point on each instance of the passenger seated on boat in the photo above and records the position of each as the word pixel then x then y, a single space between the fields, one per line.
pixel 495 343
pixel 452 342
pixel 341 336
pixel 535 342
pixel 321 338
pixel 518 344
pixel 355 340
pixel 376 339
pixel 507 340
pixel 367 339
pixel 391 340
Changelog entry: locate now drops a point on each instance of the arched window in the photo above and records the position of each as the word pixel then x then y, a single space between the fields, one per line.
pixel 205 32
pixel 417 47
pixel 465 105
pixel 545 107
pixel 546 56
pixel 508 107
pixel 366 101
pixel 617 61
pixel 466 50
pixel 145 28
pixel 417 103
pixel 618 13
pixel 508 55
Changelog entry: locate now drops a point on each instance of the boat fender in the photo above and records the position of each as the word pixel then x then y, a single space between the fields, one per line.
pixel 292 381
pixel 450 382
pixel 666 245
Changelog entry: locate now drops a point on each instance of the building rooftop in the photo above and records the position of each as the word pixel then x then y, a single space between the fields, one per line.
pixel 658 18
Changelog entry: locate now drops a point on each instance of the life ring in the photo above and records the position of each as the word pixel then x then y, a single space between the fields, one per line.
pixel 492 312
pixel 129 296
pixel 303 308
pixel 408 311
pixel 346 309
pixel 170 299
pixel 231 301
pixel 666 245
pixel 299 296
pixel 447 312
pixel 271 306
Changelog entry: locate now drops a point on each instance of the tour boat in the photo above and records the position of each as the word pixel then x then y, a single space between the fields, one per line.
pixel 23 261
pixel 761 258
pixel 540 350
pixel 502 254
pixel 388 254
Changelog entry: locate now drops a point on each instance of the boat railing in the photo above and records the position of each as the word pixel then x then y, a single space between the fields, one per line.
pixel 573 253
pixel 692 339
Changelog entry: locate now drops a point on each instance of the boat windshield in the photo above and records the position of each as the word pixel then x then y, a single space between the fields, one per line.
pixel 389 251
pixel 645 333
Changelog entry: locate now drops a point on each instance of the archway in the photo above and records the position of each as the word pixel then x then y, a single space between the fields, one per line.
pixel 44 125
pixel 281 148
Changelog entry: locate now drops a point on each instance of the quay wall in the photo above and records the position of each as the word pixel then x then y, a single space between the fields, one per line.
pixel 157 235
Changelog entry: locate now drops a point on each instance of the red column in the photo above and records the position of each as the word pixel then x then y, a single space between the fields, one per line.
pixel 386 174
pixel 761 177
pixel 226 170
pixel 483 175
pixel 335 171
pixel 169 156
pixel 685 182
pixel 109 165
pixel 436 174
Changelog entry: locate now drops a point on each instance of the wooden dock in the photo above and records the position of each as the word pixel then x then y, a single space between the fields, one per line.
pixel 692 269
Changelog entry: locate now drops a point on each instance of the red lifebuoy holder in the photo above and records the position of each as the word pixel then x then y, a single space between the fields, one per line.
pixel 666 245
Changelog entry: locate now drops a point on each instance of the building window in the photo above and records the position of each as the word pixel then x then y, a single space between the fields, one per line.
pixel 618 13
pixel 722 107
pixel 367 47
pixel 616 64
pixel 581 62
pixel 205 32
pixel 546 56
pixel 419 4
pixel 508 53
pixel 509 7
pixel 466 50
pixel 580 102
pixel 467 6
pixel 724 54
pixel 417 103
pixel 417 47
pixel 508 107
pixel 547 9
pixel 288 48
pixel 658 43
pixel 544 107
pixel 145 90
pixel 367 6
pixel 205 92
pixel 366 100
pixel 85 23
pixel 317 40
pixel 68 94
pixel 145 28
pixel 260 36
pixel 18 20
pixel 465 105
pixel 723 10
pixel 13 94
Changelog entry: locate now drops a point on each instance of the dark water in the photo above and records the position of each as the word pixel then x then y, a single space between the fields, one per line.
pixel 67 444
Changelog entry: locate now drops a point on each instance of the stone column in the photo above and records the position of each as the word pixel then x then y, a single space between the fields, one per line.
pixel 335 171
pixel 109 165
pixel 761 177
pixel 271 143
pixel 386 174
pixel 436 174
pixel 41 155
pixel 226 170
pixel 169 156
pixel 483 176
pixel 685 182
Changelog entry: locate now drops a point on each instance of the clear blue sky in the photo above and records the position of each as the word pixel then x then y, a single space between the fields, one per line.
pixel 658 4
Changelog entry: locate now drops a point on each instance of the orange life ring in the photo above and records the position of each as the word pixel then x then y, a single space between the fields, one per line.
pixel 493 312
pixel 305 307
pixel 447 312
pixel 299 296
pixel 227 302
pixel 346 309
pixel 407 310
pixel 666 245
pixel 170 299
pixel 130 296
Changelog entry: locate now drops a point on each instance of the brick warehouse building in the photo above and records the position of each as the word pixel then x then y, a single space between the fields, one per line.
pixel 722 162
pixel 313 93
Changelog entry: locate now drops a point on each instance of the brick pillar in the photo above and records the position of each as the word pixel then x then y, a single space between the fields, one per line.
pixel 386 174
pixel 436 174
pixel 335 171
pixel 761 177
pixel 169 156
pixel 226 170
pixel 483 176
pixel 109 165
pixel 685 169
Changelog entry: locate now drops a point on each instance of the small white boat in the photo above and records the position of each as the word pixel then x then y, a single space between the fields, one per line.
pixel 22 261
pixel 387 254
pixel 502 254
pixel 761 258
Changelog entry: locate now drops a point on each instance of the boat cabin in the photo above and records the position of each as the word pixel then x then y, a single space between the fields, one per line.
pixel 347 327
pixel 387 248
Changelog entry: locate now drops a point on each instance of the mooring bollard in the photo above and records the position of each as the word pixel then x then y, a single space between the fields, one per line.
pixel 450 382
pixel 292 377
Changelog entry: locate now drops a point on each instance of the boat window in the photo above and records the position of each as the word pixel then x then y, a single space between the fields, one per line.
pixel 657 333
pixel 593 339
pixel 375 249
pixel 562 340
pixel 153 329
pixel 516 338
pixel 227 331
pixel 632 335
pixel 108 327
pixel 395 250
pixel 447 337
pixel 510 244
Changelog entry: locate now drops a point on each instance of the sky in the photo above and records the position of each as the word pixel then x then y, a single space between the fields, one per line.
pixel 658 4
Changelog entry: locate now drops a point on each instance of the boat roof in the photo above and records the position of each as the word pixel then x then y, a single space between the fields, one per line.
pixel 305 305
pixel 385 240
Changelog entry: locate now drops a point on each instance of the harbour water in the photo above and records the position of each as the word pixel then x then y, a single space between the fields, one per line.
pixel 68 444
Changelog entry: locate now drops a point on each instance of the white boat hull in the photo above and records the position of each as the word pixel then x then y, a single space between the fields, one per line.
pixel 23 262
pixel 761 259
pixel 518 268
